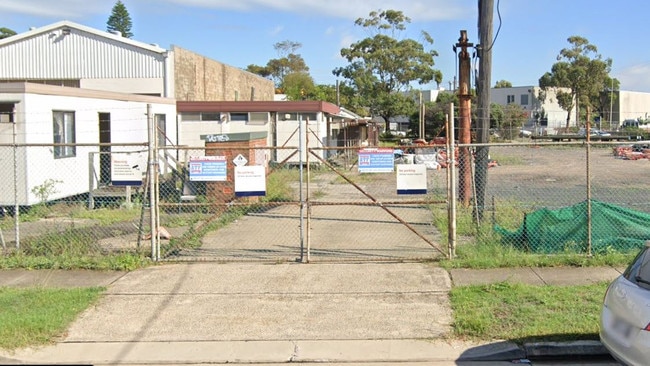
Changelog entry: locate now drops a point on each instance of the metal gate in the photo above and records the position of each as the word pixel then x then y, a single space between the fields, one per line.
pixel 321 209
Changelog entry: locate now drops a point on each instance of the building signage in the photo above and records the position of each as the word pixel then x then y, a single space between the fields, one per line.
pixel 250 181
pixel 217 138
pixel 208 168
pixel 376 160
pixel 126 169
pixel 411 179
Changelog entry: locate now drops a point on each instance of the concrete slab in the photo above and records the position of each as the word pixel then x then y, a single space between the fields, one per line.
pixel 466 277
pixel 213 302
pixel 567 276
pixel 272 352
pixel 293 278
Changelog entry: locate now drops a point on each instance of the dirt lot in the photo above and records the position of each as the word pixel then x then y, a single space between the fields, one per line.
pixel 557 176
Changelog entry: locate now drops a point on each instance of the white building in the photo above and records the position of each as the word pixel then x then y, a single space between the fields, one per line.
pixel 546 115
pixel 43 115
pixel 70 54
pixel 281 121
pixel 622 105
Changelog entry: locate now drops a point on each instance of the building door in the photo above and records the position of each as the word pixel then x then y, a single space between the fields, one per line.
pixel 104 151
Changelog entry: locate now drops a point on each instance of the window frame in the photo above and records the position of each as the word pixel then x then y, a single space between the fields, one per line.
pixel 68 135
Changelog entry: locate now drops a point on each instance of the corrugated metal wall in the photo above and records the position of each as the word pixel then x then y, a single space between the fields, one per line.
pixel 78 55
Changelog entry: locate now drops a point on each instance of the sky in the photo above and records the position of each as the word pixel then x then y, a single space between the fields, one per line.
pixel 527 36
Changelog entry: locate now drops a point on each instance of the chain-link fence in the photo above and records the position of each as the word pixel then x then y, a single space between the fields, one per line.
pixel 571 197
pixel 324 203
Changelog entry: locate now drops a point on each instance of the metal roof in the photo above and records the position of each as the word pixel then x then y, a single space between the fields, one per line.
pixel 66 23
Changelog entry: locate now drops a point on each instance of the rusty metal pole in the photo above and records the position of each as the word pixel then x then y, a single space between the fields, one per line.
pixel 464 132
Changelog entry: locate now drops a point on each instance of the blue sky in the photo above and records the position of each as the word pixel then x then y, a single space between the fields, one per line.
pixel 243 32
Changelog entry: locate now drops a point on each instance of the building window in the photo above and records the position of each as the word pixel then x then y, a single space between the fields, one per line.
pixel 210 116
pixel 524 99
pixel 241 117
pixel 64 133
pixel 258 118
pixel 510 99
pixel 200 116
pixel 6 112
pixel 161 125
pixel 309 116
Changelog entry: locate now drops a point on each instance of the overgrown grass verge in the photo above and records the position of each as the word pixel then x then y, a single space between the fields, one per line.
pixel 37 316
pixel 524 313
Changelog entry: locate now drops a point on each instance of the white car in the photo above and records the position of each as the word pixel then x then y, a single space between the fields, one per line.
pixel 625 314
pixel 525 133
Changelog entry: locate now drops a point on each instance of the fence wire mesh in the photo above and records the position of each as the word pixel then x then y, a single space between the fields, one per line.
pixel 541 198
pixel 569 198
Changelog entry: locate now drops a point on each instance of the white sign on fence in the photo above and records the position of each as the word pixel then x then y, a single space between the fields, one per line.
pixel 126 169
pixel 250 181
pixel 411 179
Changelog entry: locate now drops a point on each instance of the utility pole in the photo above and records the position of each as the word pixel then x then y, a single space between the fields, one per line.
pixel 464 130
pixel 483 85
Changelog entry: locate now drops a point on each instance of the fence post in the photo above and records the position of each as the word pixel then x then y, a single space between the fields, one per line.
pixel 152 185
pixel 302 201
pixel 16 203
pixel 91 180
pixel 451 182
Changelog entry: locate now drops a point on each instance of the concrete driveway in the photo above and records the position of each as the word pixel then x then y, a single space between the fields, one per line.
pixel 235 301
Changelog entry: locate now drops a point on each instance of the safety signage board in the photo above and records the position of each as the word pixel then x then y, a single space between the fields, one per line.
pixel 208 168
pixel 239 160
pixel 127 168
pixel 376 160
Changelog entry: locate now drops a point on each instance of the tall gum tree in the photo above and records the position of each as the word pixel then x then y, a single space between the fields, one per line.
pixel 382 67
pixel 583 71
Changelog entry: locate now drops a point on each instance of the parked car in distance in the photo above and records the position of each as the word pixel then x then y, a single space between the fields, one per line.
pixel 625 313
pixel 525 133
pixel 593 132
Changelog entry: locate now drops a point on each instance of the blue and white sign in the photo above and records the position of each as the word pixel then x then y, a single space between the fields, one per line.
pixel 411 179
pixel 376 160
pixel 208 168
pixel 250 181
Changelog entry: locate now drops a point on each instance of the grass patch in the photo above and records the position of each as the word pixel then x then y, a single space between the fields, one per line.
pixel 525 313
pixel 113 262
pixel 503 159
pixel 278 187
pixel 36 316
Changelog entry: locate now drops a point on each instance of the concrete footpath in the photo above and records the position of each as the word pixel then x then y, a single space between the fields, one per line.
pixel 193 313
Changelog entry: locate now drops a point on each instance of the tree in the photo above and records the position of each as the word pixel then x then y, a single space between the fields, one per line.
pixel 288 62
pixel 381 68
pixel 582 71
pixel 435 115
pixel 298 86
pixel 503 84
pixel 514 117
pixel 120 20
pixel 6 32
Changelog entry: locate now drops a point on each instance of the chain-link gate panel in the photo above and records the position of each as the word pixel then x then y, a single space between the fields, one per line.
pixel 359 216
pixel 206 216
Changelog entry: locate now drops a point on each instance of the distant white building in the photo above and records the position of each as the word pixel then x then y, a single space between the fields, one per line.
pixel 542 115
pixel 622 105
